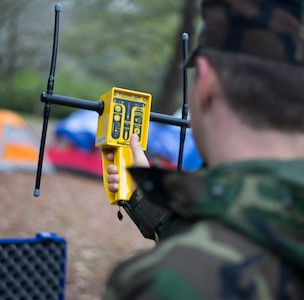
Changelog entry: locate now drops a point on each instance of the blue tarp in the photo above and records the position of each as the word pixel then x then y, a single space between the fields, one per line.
pixel 80 129
pixel 164 141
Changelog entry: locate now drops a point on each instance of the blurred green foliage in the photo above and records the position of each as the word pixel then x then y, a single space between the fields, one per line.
pixel 123 43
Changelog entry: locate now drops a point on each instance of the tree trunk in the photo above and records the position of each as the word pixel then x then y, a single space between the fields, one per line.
pixel 170 96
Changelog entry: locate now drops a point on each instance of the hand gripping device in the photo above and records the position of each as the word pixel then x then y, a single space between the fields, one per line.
pixel 125 113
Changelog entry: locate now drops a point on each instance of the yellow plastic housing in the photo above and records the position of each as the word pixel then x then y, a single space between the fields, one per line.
pixel 125 112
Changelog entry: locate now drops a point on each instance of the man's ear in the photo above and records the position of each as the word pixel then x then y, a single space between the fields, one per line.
pixel 205 77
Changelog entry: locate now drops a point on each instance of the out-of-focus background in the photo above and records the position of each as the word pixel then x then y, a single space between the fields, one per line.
pixel 133 44
pixel 123 43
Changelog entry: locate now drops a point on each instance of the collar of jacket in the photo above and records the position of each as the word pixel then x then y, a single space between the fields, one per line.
pixel 269 185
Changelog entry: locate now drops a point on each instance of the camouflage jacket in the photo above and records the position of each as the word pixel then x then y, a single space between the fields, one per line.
pixel 231 232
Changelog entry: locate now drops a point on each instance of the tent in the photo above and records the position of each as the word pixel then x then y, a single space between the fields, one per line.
pixel 164 141
pixel 74 148
pixel 19 147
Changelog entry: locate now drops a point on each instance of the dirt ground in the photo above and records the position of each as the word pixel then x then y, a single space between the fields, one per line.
pixel 74 207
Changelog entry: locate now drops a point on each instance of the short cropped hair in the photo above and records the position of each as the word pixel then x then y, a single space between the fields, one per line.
pixel 265 94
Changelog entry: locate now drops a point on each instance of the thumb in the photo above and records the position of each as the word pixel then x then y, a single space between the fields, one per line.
pixel 139 157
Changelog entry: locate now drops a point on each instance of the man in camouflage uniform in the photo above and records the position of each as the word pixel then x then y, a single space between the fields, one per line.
pixel 235 229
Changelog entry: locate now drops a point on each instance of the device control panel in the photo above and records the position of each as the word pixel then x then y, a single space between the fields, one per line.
pixel 125 113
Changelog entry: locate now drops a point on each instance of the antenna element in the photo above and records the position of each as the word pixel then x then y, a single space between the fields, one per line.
pixel 185 102
pixel 47 107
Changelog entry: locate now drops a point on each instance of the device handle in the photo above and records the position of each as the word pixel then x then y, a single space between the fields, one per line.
pixel 122 159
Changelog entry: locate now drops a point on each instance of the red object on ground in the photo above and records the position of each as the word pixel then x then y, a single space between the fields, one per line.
pixel 77 160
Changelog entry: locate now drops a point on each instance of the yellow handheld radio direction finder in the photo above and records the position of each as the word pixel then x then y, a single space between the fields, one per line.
pixel 126 112
pixel 122 113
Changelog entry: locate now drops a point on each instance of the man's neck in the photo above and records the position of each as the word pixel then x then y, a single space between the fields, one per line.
pixel 268 145
pixel 236 141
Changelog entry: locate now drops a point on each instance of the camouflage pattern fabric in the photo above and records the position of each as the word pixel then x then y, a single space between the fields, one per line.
pixel 232 232
pixel 145 214
pixel 271 29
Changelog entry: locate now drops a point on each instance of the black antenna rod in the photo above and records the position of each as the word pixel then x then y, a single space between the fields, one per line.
pixel 185 102
pixel 47 107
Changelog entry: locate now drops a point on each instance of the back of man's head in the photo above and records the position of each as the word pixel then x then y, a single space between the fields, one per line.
pixel 257 49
